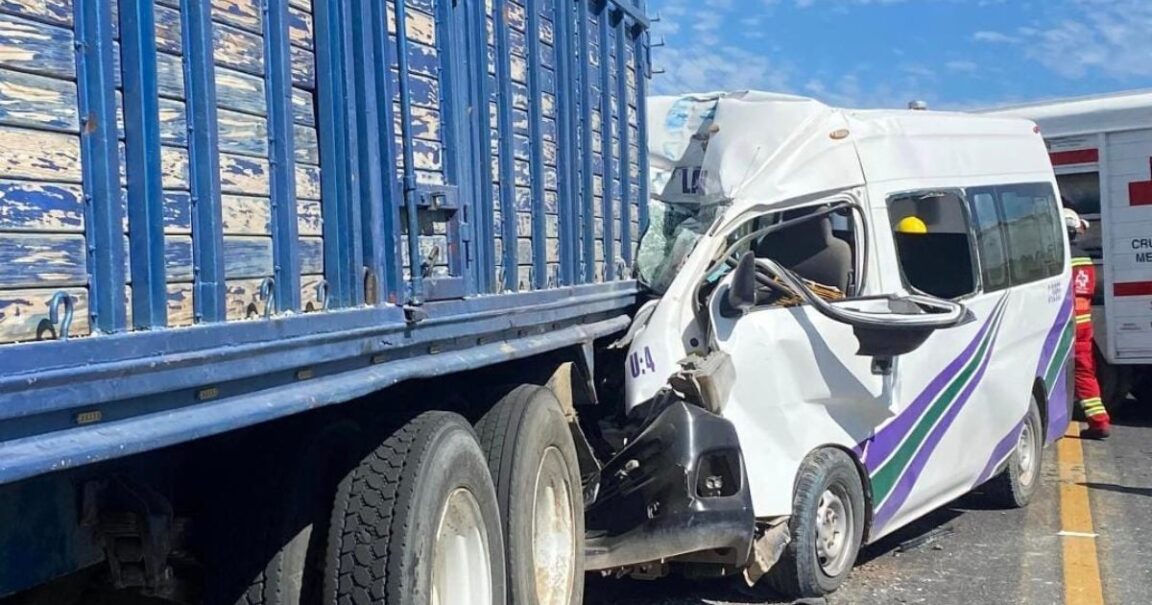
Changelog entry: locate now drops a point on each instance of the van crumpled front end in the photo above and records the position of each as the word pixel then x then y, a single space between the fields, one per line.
pixel 678 488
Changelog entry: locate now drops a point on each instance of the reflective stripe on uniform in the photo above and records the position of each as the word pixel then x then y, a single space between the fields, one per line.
pixel 1093 406
pixel 1083 319
pixel 1081 261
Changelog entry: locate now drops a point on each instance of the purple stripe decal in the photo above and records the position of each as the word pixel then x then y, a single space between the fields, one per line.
pixel 1000 452
pixel 904 485
pixel 888 439
pixel 1054 336
pixel 1058 407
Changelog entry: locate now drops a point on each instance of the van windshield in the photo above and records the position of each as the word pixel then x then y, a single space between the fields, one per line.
pixel 673 230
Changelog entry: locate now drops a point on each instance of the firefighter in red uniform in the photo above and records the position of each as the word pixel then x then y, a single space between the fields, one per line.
pixel 1083 287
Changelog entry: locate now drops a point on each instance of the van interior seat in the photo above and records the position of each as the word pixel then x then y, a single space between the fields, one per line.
pixel 939 264
pixel 810 250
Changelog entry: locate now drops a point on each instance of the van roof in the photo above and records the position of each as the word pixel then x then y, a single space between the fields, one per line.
pixel 1129 110
pixel 765 148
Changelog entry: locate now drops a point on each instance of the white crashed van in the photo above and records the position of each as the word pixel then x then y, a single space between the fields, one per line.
pixel 859 316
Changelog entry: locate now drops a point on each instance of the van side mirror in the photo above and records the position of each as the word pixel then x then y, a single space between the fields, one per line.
pixel 741 293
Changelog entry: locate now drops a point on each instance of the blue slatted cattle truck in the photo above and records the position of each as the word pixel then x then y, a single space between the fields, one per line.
pixel 307 301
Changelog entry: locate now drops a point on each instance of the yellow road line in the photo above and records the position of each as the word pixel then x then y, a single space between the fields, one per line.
pixel 1081 567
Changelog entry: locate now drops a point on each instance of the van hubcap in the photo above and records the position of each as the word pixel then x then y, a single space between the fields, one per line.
pixel 553 531
pixel 834 531
pixel 1026 454
pixel 461 567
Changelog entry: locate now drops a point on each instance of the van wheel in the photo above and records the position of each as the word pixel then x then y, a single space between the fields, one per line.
pixel 827 527
pixel 1016 484
pixel 533 462
pixel 416 523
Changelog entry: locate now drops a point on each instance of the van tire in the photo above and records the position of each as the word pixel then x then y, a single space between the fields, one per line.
pixel 1014 486
pixel 389 512
pixel 529 446
pixel 799 572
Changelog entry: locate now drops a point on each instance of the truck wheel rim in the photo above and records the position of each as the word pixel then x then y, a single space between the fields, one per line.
pixel 462 568
pixel 553 531
pixel 1026 454
pixel 834 531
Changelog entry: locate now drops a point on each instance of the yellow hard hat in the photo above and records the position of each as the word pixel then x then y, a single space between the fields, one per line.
pixel 911 225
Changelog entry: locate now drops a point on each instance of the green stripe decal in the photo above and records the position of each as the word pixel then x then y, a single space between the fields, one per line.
pixel 886 476
pixel 1060 357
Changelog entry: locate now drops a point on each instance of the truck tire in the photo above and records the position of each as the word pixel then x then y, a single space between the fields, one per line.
pixel 1017 483
pixel 1142 385
pixel 416 522
pixel 533 460
pixel 827 527
pixel 270 551
pixel 1115 382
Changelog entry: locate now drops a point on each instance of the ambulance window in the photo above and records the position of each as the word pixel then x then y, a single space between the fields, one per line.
pixel 989 241
pixel 1082 190
pixel 933 242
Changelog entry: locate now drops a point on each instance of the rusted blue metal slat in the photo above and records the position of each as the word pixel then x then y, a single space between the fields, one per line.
pixel 607 191
pixel 104 210
pixel 536 147
pixel 142 142
pixel 624 130
pixel 204 162
pixel 282 154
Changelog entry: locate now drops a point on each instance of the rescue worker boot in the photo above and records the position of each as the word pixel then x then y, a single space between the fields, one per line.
pixel 1099 427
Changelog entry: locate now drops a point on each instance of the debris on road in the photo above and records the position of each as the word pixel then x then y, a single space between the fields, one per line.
pixel 926 539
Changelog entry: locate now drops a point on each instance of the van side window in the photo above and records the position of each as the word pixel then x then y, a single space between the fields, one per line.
pixel 1031 227
pixel 933 242
pixel 990 240
pixel 824 250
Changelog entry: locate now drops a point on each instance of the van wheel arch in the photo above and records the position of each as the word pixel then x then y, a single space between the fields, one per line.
pixel 1040 392
pixel 865 481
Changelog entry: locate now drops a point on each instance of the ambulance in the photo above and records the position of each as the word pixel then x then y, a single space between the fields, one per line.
pixel 1101 151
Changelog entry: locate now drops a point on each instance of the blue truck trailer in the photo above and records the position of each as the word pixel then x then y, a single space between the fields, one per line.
pixel 300 297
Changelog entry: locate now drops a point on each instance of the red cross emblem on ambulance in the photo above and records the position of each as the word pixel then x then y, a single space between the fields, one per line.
pixel 1140 192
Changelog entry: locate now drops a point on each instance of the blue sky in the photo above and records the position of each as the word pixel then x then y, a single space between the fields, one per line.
pixel 956 54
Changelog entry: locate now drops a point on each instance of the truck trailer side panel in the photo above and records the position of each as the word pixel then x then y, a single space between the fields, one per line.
pixel 214 214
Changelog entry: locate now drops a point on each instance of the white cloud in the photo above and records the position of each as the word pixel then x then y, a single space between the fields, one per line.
pixel 962 66
pixel 920 71
pixel 1103 37
pixel 992 37
pixel 707 22
pixel 717 68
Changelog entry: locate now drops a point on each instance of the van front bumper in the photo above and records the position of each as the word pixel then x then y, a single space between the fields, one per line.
pixel 678 488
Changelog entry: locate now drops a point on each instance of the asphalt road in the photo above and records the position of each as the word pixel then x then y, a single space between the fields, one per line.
pixel 1041 555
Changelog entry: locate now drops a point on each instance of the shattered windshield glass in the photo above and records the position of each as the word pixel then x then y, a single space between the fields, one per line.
pixel 685 198
pixel 673 231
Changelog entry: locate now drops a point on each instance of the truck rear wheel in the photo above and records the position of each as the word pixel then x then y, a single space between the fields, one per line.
pixel 533 461
pixel 416 523
pixel 827 527
pixel 269 534
pixel 1115 381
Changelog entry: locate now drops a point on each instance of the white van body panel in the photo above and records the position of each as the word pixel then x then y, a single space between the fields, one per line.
pixel 948 415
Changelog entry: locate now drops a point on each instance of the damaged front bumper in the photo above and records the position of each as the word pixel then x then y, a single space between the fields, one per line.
pixel 678 488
